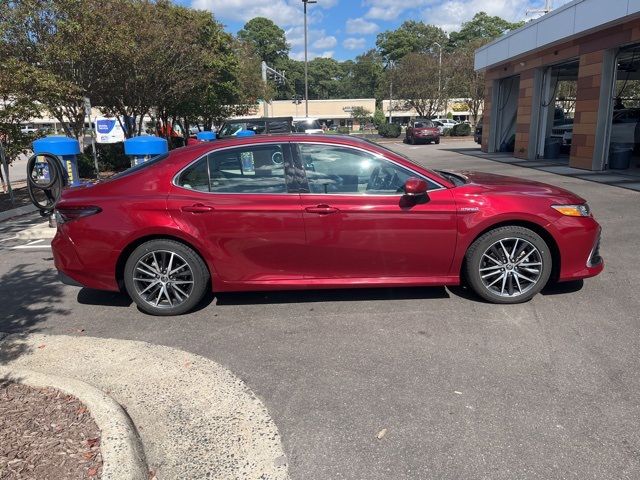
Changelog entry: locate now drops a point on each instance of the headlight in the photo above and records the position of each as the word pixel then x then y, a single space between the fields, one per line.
pixel 573 210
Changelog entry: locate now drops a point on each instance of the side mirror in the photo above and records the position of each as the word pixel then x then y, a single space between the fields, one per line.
pixel 415 187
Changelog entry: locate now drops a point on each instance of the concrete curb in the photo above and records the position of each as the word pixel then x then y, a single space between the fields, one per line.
pixel 121 448
pixel 17 212
pixel 36 232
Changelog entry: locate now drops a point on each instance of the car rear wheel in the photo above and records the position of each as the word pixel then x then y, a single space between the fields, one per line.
pixel 508 265
pixel 165 277
pixel 437 142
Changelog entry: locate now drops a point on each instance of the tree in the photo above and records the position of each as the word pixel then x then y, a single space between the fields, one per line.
pixel 466 82
pixel 362 76
pixel 379 117
pixel 325 76
pixel 267 39
pixel 415 83
pixel 482 26
pixel 360 115
pixel 410 37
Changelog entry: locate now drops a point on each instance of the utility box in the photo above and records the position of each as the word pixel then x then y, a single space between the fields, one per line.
pixel 141 149
pixel 66 149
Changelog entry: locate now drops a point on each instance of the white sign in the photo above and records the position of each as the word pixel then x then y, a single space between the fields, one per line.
pixel 108 130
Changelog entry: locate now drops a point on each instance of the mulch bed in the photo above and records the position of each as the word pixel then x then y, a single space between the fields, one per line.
pixel 21 196
pixel 46 434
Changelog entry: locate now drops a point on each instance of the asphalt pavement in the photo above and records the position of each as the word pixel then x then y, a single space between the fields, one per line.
pixel 417 383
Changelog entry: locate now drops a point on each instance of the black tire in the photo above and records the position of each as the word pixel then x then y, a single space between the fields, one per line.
pixel 437 142
pixel 412 141
pixel 161 249
pixel 428 142
pixel 510 273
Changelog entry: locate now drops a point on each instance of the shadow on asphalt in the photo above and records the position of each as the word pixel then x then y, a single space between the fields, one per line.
pixel 87 296
pixel 342 295
pixel 28 297
pixel 555 288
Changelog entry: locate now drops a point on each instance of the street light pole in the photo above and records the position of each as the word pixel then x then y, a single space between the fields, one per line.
pixel 440 74
pixel 306 60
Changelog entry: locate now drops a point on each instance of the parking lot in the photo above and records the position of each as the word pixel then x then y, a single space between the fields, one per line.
pixel 465 390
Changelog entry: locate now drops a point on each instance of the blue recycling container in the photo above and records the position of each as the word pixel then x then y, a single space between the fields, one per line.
pixel 65 148
pixel 206 136
pixel 141 149
pixel 245 133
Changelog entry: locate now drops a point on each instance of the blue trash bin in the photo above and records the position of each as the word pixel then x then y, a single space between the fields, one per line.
pixel 206 136
pixel 141 149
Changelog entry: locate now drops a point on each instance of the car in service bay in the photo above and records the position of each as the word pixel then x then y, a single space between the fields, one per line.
pixel 299 211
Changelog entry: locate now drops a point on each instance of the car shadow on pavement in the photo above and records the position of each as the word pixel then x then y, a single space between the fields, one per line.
pixel 28 297
pixel 340 295
pixel 562 288
pixel 87 296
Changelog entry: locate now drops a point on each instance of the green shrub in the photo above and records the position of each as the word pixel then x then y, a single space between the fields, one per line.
pixel 461 130
pixel 379 118
pixel 446 132
pixel 389 130
pixel 86 168
pixel 111 157
pixel 344 130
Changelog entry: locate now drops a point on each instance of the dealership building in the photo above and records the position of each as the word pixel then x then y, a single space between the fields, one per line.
pixel 566 87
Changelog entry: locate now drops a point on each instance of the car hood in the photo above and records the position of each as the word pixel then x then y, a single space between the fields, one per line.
pixel 502 184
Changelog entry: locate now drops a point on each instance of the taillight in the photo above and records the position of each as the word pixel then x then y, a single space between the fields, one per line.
pixel 68 214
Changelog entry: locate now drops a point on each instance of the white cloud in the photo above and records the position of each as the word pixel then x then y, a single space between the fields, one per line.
pixel 354 43
pixel 325 43
pixel 390 9
pixel 320 44
pixel 283 12
pixel 361 26
pixel 451 14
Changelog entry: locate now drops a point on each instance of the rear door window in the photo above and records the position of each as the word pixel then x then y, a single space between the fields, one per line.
pixel 246 169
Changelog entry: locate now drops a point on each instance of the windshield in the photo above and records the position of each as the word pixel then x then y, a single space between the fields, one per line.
pixel 229 129
pixel 426 124
pixel 398 154
pixel 140 166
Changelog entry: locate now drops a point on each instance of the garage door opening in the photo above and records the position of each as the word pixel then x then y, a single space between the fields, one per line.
pixel 624 129
pixel 506 113
pixel 557 109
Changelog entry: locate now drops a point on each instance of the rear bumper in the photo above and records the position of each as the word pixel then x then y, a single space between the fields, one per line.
pixel 81 268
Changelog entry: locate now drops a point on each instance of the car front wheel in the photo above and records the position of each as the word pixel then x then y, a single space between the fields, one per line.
pixel 508 265
pixel 165 277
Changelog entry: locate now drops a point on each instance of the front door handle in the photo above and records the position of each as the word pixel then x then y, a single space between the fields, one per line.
pixel 322 210
pixel 197 208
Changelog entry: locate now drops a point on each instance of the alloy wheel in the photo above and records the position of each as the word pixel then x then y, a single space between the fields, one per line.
pixel 511 267
pixel 163 279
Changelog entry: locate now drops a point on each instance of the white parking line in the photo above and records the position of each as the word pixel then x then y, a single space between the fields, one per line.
pixel 7 239
pixel 27 247
pixel 36 241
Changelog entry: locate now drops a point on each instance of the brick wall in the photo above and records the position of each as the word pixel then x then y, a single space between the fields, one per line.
pixel 523 120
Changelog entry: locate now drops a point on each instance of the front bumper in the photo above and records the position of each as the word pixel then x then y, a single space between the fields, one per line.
pixel 579 245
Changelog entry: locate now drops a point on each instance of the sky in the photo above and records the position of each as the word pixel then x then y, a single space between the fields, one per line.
pixel 343 29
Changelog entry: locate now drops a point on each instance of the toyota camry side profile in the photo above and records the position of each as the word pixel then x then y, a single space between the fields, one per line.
pixel 316 211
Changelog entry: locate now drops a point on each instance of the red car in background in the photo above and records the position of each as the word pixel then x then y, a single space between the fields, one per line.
pixel 422 131
pixel 316 211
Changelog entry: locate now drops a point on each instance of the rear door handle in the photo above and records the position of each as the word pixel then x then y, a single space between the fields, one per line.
pixel 322 210
pixel 197 208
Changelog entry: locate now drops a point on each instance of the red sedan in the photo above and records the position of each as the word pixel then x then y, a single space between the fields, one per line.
pixel 306 211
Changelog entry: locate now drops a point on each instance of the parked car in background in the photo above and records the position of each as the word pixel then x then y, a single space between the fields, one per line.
pixel 316 211
pixel 444 124
pixel 28 129
pixel 422 131
pixel 477 133
pixel 260 126
pixel 307 125
pixel 625 128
